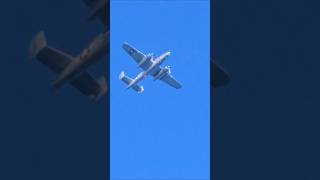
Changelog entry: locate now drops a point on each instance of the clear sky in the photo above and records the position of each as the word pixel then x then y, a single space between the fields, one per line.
pixel 163 132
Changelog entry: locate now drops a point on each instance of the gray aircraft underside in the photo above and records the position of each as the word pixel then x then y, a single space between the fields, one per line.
pixel 73 69
pixel 219 76
pixel 151 66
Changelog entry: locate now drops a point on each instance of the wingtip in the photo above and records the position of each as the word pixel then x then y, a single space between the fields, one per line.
pixel 121 75
pixel 37 44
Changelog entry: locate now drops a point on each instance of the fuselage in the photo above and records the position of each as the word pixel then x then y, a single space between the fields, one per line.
pixel 157 62
pixel 151 70
pixel 136 80
pixel 89 56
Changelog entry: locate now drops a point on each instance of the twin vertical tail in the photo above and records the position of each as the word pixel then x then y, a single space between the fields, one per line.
pixel 103 89
pixel 128 81
pixel 38 44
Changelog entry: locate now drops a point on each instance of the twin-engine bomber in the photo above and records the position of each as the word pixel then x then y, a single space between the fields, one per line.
pixel 71 69
pixel 151 66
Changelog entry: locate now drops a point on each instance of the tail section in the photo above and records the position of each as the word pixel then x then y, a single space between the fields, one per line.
pixel 37 44
pixel 128 81
pixel 62 64
pixel 103 89
pixel 55 59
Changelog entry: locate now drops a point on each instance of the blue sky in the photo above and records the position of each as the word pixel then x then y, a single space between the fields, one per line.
pixel 164 132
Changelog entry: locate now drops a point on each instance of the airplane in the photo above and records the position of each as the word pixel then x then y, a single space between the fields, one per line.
pixel 219 77
pixel 151 66
pixel 73 69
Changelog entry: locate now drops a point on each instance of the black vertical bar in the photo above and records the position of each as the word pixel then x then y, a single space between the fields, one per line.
pixel 107 126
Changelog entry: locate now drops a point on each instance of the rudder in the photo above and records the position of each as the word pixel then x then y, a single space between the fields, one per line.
pixel 38 43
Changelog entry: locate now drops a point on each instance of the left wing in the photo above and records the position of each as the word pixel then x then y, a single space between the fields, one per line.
pixel 88 86
pixel 100 10
pixel 167 78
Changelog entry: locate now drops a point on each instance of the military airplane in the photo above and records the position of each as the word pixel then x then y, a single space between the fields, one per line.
pixel 151 66
pixel 73 69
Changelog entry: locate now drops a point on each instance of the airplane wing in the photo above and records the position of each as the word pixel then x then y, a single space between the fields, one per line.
pixel 88 86
pixel 167 78
pixel 137 56
pixel 218 76
pixel 99 9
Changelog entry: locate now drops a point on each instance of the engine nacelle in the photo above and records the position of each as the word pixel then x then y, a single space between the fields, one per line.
pixel 140 75
pixel 148 57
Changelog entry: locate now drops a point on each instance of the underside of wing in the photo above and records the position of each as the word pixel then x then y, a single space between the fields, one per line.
pixel 56 60
pixel 99 9
pixel 218 76
pixel 167 78
pixel 142 60
pixel 87 85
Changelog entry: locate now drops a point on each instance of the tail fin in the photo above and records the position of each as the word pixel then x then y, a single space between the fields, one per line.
pixel 103 88
pixel 128 81
pixel 37 44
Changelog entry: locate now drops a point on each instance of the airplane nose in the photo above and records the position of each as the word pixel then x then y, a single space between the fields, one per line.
pixel 169 53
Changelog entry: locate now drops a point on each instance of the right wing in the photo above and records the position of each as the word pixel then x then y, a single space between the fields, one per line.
pixel 99 9
pixel 170 80
pixel 137 56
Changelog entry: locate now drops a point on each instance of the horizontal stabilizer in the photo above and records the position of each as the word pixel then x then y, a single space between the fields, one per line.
pixel 128 81
pixel 54 59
